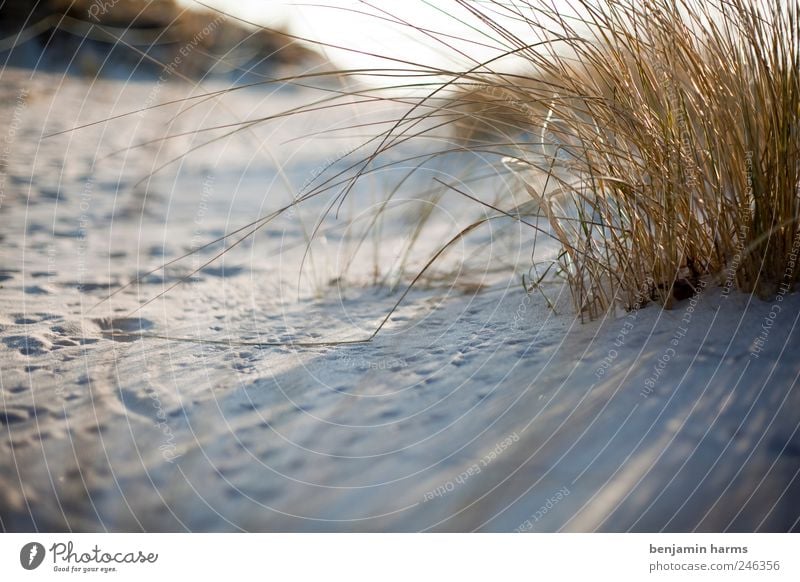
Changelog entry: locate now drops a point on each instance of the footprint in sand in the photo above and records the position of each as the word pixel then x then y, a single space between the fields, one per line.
pixel 27 345
pixel 123 329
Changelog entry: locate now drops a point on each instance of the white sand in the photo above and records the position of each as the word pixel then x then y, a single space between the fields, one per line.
pixel 467 412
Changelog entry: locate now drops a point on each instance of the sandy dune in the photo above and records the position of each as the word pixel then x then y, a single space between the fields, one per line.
pixel 468 411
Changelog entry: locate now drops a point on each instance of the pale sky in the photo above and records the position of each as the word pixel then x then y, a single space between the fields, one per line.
pixel 336 22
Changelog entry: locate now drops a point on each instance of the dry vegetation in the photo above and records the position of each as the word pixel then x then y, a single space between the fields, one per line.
pixel 658 139
pixel 672 130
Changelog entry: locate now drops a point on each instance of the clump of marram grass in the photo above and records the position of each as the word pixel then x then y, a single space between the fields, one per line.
pixel 671 128
pixel 658 139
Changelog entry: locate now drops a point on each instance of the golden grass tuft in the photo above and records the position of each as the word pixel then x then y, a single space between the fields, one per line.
pixel 658 139
pixel 672 130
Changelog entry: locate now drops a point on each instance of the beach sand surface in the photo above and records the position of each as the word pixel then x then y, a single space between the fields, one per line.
pixel 476 407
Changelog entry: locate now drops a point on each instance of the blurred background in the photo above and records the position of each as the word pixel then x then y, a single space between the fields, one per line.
pixel 114 38
pixel 109 37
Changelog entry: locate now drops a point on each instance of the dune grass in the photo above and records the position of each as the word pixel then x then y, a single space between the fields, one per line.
pixel 672 129
pixel 658 140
